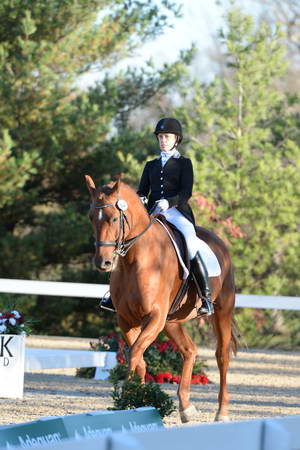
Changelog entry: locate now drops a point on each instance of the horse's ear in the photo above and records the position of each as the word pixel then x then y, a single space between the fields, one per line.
pixel 116 186
pixel 90 184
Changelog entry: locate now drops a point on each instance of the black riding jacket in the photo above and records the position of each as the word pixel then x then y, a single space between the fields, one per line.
pixel 174 182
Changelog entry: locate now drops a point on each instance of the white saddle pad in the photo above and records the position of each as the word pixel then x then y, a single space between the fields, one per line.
pixel 208 256
pixel 194 244
pixel 210 259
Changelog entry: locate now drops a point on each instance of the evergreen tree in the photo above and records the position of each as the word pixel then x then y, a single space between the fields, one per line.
pixel 53 132
pixel 247 161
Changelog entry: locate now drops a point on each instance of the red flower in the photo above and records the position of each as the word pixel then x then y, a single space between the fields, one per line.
pixel 204 379
pixel 195 379
pixel 174 346
pixel 113 335
pixel 149 377
pixel 159 378
pixel 167 376
pixel 163 347
pixel 199 379
pixel 176 379
pixel 120 358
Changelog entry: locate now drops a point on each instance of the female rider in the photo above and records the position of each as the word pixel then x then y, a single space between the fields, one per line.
pixel 166 186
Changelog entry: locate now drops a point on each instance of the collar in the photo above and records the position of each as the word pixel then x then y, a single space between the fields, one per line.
pixel 166 155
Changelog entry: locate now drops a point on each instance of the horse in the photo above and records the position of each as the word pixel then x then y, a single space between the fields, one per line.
pixel 144 280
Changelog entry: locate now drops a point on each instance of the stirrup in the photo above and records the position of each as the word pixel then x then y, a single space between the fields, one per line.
pixel 106 303
pixel 206 309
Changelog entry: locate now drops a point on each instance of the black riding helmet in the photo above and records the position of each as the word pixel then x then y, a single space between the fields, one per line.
pixel 169 125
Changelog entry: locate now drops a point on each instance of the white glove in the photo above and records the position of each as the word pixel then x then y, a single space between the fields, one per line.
pixel 162 204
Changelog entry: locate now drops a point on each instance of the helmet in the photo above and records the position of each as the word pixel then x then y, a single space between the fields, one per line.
pixel 169 125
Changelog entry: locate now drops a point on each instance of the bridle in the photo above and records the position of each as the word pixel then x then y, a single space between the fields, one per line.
pixel 121 245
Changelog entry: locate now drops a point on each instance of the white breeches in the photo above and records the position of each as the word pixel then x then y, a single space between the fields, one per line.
pixel 194 244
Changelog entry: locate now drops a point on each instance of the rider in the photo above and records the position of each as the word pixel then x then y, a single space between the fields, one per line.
pixel 169 181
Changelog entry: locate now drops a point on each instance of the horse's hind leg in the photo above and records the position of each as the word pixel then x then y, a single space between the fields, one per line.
pixel 223 329
pixel 188 350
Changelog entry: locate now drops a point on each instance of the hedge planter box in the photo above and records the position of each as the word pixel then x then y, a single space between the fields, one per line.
pixel 12 358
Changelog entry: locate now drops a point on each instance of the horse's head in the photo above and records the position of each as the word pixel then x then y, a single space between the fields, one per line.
pixel 116 213
pixel 108 217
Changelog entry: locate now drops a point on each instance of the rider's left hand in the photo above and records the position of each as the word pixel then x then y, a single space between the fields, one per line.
pixel 160 206
pixel 163 204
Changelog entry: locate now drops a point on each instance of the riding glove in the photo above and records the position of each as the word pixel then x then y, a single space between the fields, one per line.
pixel 162 204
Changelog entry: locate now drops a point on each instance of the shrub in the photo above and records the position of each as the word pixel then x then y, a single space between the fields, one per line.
pixel 131 393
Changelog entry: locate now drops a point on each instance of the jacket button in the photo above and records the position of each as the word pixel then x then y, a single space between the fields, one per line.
pixel 161 178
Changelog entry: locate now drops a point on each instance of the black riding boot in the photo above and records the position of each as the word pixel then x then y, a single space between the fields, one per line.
pixel 106 303
pixel 201 279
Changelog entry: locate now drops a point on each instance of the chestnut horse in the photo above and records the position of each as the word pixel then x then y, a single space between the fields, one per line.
pixel 145 278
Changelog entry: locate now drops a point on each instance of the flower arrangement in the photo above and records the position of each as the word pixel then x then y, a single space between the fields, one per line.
pixel 163 360
pixel 13 322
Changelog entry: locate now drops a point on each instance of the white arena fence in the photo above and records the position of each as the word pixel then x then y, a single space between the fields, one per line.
pixel 55 358
pixel 37 359
pixel 88 290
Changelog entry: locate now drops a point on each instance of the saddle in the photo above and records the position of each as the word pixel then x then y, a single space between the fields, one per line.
pixel 179 243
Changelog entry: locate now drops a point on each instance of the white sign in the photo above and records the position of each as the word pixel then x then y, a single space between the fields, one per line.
pixel 12 356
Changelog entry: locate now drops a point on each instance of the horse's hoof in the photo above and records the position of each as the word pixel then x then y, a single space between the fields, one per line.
pixel 188 414
pixel 220 418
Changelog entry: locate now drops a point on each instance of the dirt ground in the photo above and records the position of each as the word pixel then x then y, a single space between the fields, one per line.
pixel 262 383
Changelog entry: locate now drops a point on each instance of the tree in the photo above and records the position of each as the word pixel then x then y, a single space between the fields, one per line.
pixel 287 14
pixel 247 162
pixel 14 171
pixel 53 132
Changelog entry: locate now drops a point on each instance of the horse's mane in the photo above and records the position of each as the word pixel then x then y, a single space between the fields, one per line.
pixel 125 192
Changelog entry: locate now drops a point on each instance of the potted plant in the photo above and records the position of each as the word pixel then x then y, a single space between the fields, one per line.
pixel 13 331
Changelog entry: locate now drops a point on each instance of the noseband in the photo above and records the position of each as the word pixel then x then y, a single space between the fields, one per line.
pixel 121 244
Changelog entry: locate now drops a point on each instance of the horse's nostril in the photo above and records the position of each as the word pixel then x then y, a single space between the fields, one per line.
pixel 103 265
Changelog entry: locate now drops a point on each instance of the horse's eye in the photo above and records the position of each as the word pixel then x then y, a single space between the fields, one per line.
pixel 115 219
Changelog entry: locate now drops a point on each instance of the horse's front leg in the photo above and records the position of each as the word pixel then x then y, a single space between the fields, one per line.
pixel 131 335
pixel 188 350
pixel 152 326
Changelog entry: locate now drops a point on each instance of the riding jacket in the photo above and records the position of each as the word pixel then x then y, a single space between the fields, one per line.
pixel 173 181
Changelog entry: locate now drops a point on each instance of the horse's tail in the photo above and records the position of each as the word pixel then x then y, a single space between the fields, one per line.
pixel 235 335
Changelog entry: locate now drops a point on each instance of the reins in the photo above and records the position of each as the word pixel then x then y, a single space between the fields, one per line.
pixel 122 245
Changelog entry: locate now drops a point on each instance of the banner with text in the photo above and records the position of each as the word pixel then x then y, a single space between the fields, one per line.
pixel 79 426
